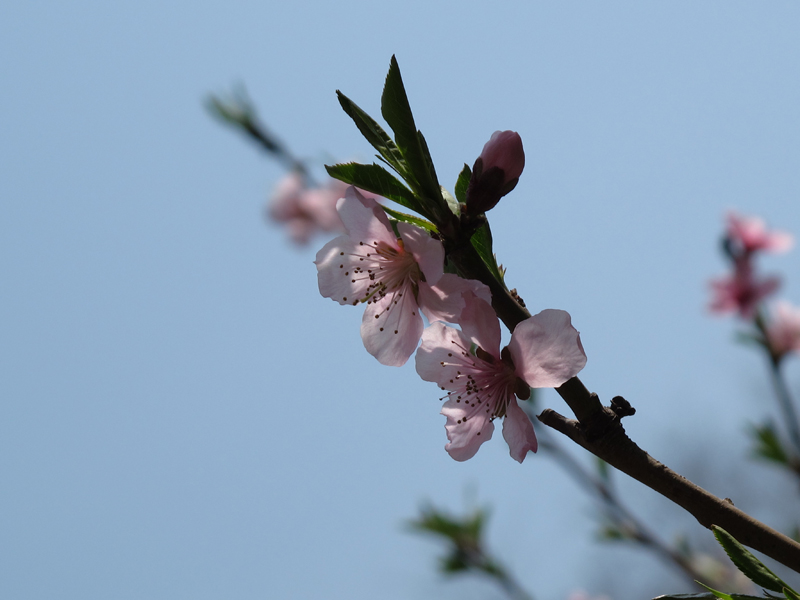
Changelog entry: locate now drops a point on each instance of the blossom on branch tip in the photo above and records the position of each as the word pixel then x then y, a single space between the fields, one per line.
pixel 750 234
pixel 496 171
pixel 397 275
pixel 783 331
pixel 483 382
pixel 742 291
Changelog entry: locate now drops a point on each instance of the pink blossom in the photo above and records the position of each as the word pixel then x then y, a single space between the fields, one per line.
pixel 397 277
pixel 783 331
pixel 484 383
pixel 306 211
pixel 742 291
pixel 750 234
pixel 504 151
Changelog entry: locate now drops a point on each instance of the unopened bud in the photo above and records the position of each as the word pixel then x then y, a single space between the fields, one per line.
pixel 504 151
pixel 496 171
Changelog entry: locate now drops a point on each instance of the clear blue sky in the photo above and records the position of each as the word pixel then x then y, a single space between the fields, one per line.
pixel 183 416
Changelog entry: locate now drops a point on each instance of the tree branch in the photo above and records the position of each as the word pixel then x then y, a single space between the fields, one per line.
pixel 599 430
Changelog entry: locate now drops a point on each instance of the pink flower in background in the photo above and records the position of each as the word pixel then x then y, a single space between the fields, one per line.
pixel 396 277
pixel 783 331
pixel 504 151
pixel 484 383
pixel 304 210
pixel 742 291
pixel 750 234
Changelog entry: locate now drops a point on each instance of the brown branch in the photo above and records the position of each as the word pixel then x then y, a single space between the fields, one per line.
pixel 599 430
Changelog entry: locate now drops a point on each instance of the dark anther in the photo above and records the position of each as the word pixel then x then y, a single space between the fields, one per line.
pixel 621 407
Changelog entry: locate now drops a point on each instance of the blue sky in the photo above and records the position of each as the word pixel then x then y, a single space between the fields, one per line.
pixel 185 417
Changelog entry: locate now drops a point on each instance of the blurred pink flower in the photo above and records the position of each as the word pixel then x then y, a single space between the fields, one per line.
pixel 504 151
pixel 396 277
pixel 306 211
pixel 783 331
pixel 742 291
pixel 484 382
pixel 750 234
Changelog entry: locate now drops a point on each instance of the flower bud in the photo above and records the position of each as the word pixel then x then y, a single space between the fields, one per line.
pixel 496 171
pixel 504 151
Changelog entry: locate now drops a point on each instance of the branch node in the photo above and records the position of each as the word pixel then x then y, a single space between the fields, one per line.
pixel 621 407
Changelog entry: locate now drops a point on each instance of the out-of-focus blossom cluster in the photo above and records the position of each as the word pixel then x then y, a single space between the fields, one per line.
pixel 305 210
pixel 744 289
pixel 397 270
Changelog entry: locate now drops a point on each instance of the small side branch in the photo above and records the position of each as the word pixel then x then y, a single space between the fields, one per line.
pixel 599 430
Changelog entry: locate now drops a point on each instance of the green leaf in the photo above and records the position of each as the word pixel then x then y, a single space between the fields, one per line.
pixel 717 593
pixel 482 242
pixel 768 444
pixel 706 596
pixel 747 563
pixel 374 133
pixel 374 178
pixel 790 594
pixel 452 203
pixel 406 218
pixel 462 183
pixel 420 174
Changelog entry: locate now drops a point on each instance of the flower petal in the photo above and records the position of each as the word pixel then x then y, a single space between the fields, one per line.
pixel 392 326
pixel 440 357
pixel 547 349
pixel 364 219
pixel 479 322
pixel 336 275
pixel 444 301
pixel 465 434
pixel 518 432
pixel 428 252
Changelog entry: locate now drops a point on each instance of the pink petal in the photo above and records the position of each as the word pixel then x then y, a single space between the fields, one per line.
pixel 391 327
pixel 285 199
pixel 518 432
pixel 428 252
pixel 479 323
pixel 779 241
pixel 441 344
pixel 547 349
pixel 364 219
pixel 465 436
pixel 335 275
pixel 444 301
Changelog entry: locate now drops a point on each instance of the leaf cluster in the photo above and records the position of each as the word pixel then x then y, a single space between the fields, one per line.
pixel 404 173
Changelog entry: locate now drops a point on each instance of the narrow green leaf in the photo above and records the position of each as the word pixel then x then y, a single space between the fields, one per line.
pixel 706 596
pixel 702 596
pixel 374 134
pixel 374 178
pixel 747 563
pixel 717 593
pixel 452 203
pixel 406 218
pixel 420 173
pixel 482 242
pixel 463 183
pixel 790 594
